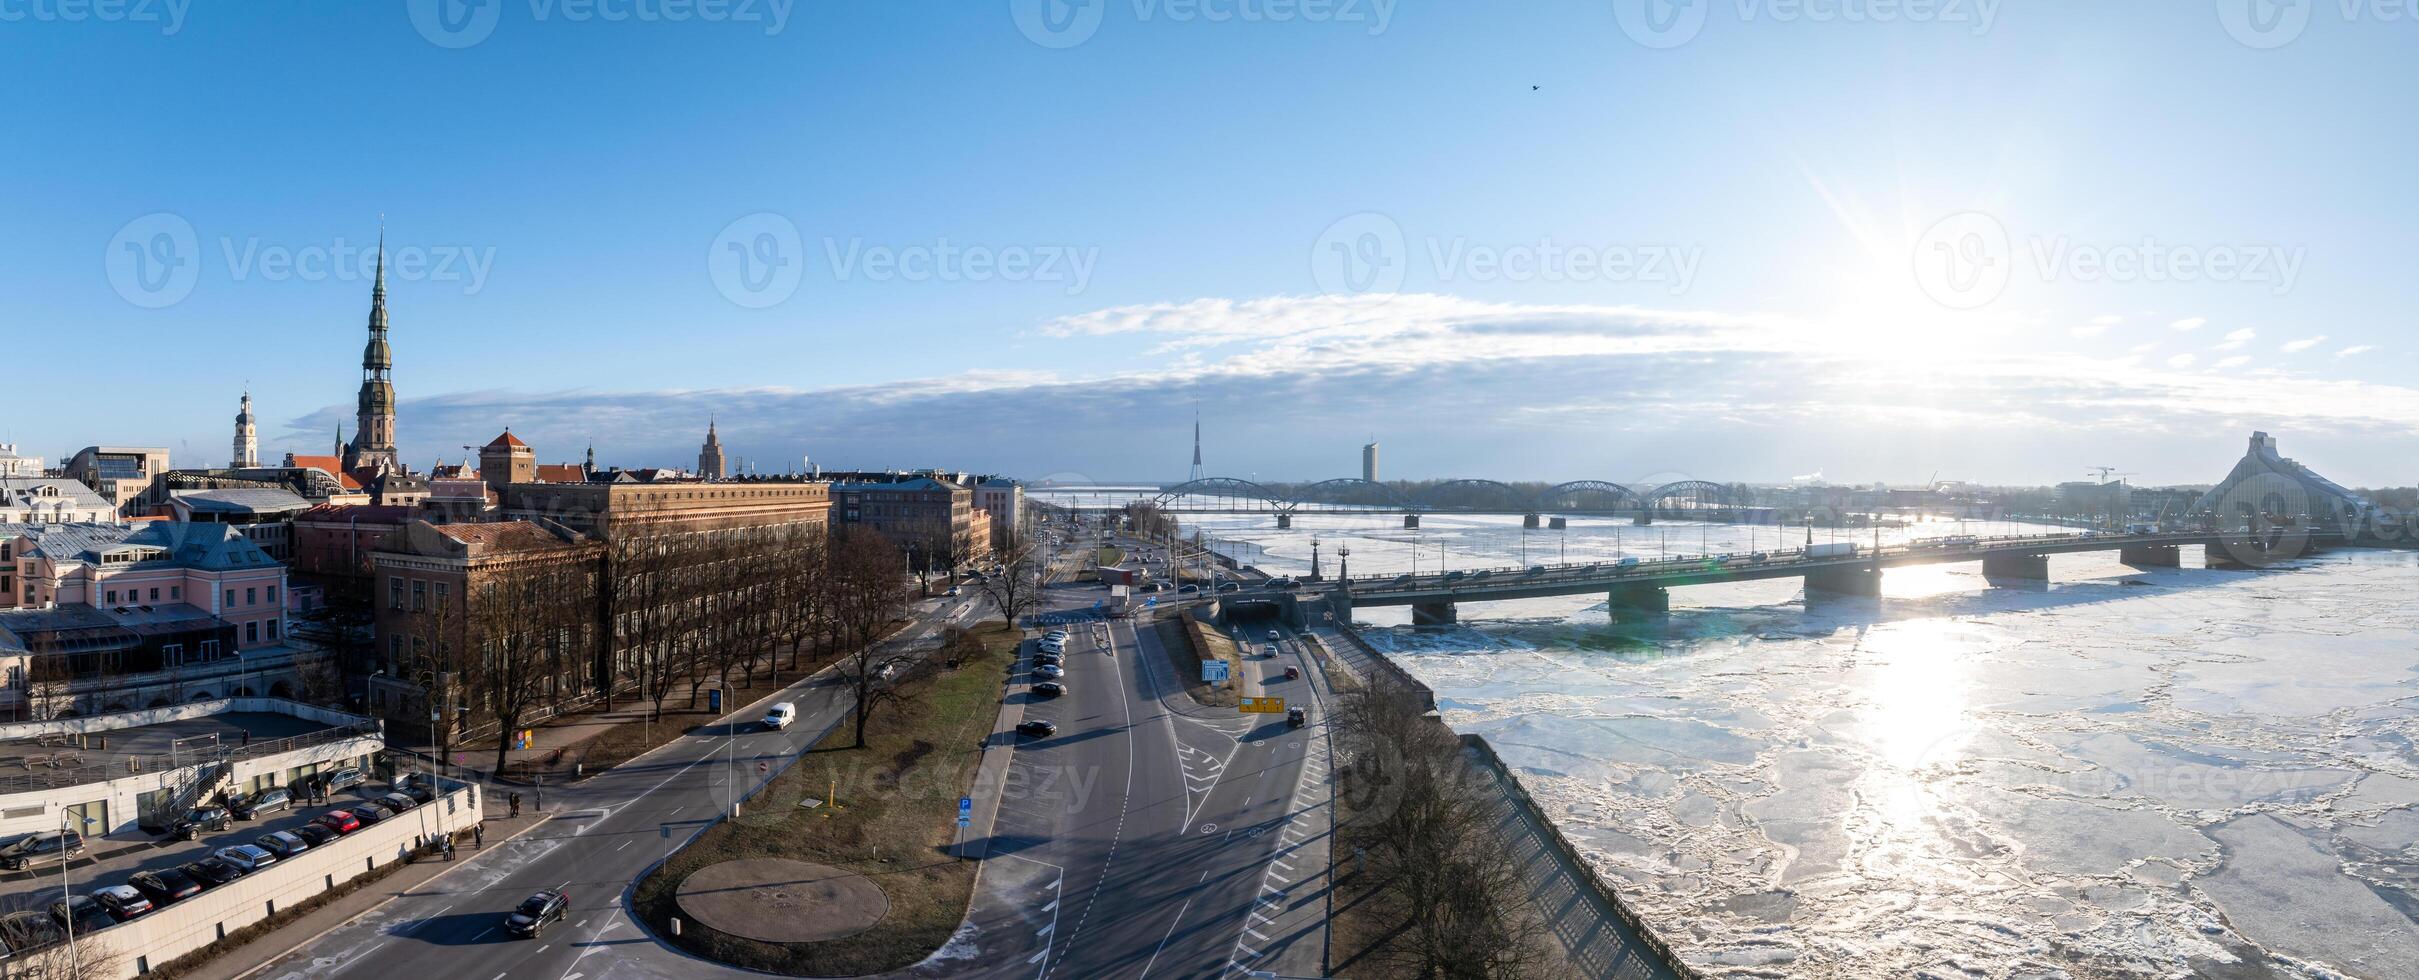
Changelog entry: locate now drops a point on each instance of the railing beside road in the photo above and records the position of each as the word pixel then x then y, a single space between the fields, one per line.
pixel 55 774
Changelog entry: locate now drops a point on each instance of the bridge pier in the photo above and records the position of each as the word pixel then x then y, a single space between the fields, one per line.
pixel 1411 522
pixel 2033 568
pixel 1284 521
pixel 1644 518
pixel 1851 581
pixel 2152 555
pixel 1558 523
pixel 1529 521
pixel 1434 614
pixel 1638 599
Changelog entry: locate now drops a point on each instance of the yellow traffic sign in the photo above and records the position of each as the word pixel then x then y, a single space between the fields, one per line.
pixel 1263 706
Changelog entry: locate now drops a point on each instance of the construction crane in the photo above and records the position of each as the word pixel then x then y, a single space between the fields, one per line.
pixel 2104 471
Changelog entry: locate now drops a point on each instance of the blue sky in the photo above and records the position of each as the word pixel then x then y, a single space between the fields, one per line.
pixel 1537 240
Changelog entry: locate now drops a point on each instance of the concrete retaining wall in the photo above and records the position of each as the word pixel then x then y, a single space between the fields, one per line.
pixel 151 941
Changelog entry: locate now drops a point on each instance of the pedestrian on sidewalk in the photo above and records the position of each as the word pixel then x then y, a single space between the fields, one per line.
pixel 478 835
pixel 247 738
pixel 515 800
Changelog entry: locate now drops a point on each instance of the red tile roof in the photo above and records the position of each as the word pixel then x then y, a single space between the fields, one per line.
pixel 507 535
pixel 331 466
pixel 563 473
pixel 508 439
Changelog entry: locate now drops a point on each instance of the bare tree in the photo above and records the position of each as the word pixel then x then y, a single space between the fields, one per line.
pixel 527 615
pixel 866 596
pixel 1017 589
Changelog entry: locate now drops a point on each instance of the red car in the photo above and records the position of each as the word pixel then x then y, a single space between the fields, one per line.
pixel 340 821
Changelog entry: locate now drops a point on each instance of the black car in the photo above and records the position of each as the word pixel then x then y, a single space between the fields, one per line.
pixel 30 930
pixel 1049 658
pixel 41 847
pixel 165 885
pixel 416 787
pixel 84 912
pixel 1188 590
pixel 368 813
pixel 1036 729
pixel 123 902
pixel 536 913
pixel 314 834
pixel 271 800
pixel 1284 583
pixel 1230 586
pixel 203 820
pixel 211 872
pixel 1049 689
pixel 285 844
pixel 396 802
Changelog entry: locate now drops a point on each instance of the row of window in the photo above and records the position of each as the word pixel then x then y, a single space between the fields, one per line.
pixel 176 593
pixel 418 590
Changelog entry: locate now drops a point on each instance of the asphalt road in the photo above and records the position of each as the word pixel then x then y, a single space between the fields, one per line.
pixel 1151 836
pixel 607 831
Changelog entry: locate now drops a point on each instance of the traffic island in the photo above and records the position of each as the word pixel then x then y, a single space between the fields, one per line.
pixel 776 900
pixel 884 815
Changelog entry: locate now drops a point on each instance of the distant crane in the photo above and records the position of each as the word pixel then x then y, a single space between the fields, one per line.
pixel 2104 471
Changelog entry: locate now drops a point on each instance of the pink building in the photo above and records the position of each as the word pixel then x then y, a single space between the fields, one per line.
pixel 210 567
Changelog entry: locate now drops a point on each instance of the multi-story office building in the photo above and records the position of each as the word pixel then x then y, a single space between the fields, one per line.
pixel 1004 500
pixel 122 475
pixel 933 519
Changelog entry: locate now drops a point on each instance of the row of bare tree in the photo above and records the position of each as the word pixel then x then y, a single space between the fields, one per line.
pixel 1424 817
pixel 653 614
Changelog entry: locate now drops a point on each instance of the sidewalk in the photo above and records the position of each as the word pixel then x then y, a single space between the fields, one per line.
pixel 261 951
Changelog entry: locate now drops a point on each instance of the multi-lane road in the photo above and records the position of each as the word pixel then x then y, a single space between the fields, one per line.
pixel 1149 836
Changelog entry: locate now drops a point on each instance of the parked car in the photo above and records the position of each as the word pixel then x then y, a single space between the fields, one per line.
pixel 165 885
pixel 1050 670
pixel 121 901
pixel 536 912
pixel 46 846
pixel 316 834
pixel 84 913
pixel 30 930
pixel 417 787
pixel 344 779
pixel 368 813
pixel 284 844
pixel 340 821
pixel 1036 728
pixel 246 857
pixel 396 802
pixel 211 872
pixel 1049 658
pixel 1050 689
pixel 205 819
pixel 271 800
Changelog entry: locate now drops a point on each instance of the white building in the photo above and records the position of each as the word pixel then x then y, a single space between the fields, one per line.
pixel 1004 500
pixel 12 464
pixel 40 500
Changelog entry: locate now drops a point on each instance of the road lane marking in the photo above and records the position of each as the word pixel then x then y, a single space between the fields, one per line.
pixel 1171 933
pixel 623 844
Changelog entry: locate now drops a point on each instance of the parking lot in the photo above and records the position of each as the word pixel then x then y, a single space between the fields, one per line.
pixel 109 861
pixel 109 751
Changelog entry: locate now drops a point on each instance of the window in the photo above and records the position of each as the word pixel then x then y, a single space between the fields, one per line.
pixel 230 604
pixel 172 654
pixel 176 593
pixel 251 597
pixel 394 649
pixel 272 629
pixel 394 592
pixel 209 649
pixel 155 593
pixel 419 595
pixel 113 597
pixel 252 632
pixel 272 595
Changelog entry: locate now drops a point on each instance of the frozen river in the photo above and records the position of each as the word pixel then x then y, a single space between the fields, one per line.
pixel 2125 773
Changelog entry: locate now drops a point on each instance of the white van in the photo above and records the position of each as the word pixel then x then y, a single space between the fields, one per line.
pixel 781 716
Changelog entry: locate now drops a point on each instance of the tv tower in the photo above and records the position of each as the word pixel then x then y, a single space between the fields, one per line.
pixel 1197 471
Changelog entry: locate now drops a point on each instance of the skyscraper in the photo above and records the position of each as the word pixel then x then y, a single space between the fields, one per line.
pixel 247 443
pixel 1369 461
pixel 710 462
pixel 372 450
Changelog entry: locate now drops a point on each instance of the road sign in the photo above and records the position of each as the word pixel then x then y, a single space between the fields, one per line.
pixel 1213 671
pixel 965 810
pixel 1263 706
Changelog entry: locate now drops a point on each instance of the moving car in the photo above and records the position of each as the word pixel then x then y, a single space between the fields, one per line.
pixel 1036 729
pixel 83 912
pixel 1049 689
pixel 1230 586
pixel 245 857
pixel 30 930
pixel 1296 717
pixel 208 818
pixel 1456 575
pixel 1188 590
pixel 315 834
pixel 210 871
pixel 165 885
pixel 1269 650
pixel 45 846
pixel 1402 580
pixel 1284 583
pixel 284 844
pixel 340 821
pixel 271 800
pixel 121 901
pixel 1534 570
pixel 1050 670
pixel 1293 673
pixel 344 779
pixel 536 912
pixel 1274 636
pixel 780 716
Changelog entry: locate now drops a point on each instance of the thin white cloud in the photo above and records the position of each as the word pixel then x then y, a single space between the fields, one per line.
pixel 2107 320
pixel 2235 340
pixel 2303 344
pixel 2356 350
pixel 2189 323
pixel 2181 361
pixel 2236 361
